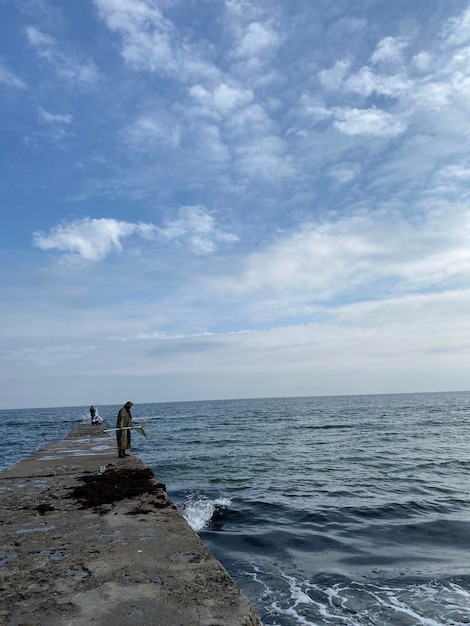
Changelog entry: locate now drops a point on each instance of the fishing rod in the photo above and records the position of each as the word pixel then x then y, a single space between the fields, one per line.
pixel 141 428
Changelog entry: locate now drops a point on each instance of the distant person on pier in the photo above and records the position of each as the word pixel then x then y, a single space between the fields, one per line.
pixel 123 429
pixel 93 415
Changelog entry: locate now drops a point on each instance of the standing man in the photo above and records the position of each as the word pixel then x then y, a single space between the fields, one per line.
pixel 123 429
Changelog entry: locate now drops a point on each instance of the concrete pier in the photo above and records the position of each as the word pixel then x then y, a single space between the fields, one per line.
pixel 87 538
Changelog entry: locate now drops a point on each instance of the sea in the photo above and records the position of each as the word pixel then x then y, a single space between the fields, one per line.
pixel 345 510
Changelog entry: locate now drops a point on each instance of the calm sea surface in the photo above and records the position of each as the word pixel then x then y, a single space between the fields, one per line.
pixel 326 510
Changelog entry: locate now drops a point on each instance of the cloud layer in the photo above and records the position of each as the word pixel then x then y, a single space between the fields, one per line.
pixel 269 194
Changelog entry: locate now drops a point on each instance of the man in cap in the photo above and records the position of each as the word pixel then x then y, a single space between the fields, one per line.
pixel 123 429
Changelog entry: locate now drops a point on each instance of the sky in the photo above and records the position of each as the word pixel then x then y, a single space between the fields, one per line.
pixel 231 199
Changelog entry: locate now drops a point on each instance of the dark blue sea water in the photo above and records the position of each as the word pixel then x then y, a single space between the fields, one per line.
pixel 347 510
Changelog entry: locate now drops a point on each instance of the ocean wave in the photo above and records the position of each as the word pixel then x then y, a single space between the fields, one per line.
pixel 403 510
pixel 323 426
pixel 198 509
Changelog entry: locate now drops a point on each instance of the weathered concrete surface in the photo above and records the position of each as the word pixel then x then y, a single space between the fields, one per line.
pixel 134 561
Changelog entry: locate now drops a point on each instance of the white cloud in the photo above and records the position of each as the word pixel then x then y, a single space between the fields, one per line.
pixel 410 326
pixel 90 239
pixel 377 253
pixel 427 83
pixel 332 79
pixel 366 82
pixel 457 63
pixel 146 33
pixel 457 30
pixel 151 42
pixel 344 172
pixel 242 11
pixel 55 118
pixel 250 121
pixel 253 40
pixel 459 172
pixel 311 108
pixel 322 259
pixel 423 61
pixel 258 40
pixel 372 122
pixel 150 130
pixel 265 158
pixel 432 95
pixel 39 39
pixel 47 356
pixel 226 118
pixel 172 336
pixel 66 65
pixel 94 239
pixel 210 144
pixel 389 50
pixel 222 99
pixel 196 228
pixel 10 79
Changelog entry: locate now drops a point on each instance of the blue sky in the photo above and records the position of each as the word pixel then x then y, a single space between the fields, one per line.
pixel 223 198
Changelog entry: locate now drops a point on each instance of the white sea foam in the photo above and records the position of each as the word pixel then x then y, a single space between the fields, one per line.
pixel 303 603
pixel 198 509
